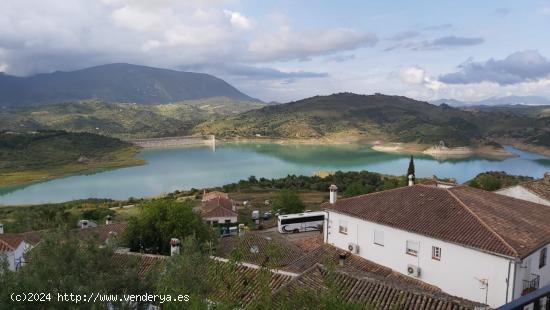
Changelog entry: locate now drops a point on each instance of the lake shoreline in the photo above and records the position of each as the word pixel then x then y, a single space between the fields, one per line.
pixel 123 159
pixel 434 151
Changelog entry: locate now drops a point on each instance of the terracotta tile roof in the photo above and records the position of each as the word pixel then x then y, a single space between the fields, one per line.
pixel 219 212
pixel 244 283
pixel 212 204
pixel 214 195
pixel 255 249
pixel 328 253
pixel 364 290
pixel 310 243
pixel 4 247
pixel 540 187
pixel 462 215
pixel 145 262
pixel 10 242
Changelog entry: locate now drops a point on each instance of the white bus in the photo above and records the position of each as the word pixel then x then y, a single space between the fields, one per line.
pixel 300 222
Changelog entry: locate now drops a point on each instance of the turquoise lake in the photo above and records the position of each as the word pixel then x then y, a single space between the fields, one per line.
pixel 184 168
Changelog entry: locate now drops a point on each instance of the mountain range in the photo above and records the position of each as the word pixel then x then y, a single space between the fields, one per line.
pixel 496 101
pixel 114 83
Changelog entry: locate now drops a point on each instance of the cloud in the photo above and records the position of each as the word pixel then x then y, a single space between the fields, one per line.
pixel 436 44
pixel 253 72
pixel 450 41
pixel 545 11
pixel 54 35
pixel 502 11
pixel 519 67
pixel 288 45
pixel 405 35
pixel 437 27
pixel 238 20
pixel 341 58
pixel 412 75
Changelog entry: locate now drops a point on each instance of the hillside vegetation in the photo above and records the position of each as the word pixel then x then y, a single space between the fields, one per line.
pixel 370 117
pixel 122 120
pixel 114 83
pixel 26 157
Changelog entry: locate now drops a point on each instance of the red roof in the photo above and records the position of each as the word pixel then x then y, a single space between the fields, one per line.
pixel 212 204
pixel 219 212
pixel 10 242
pixel 214 195
pixel 463 215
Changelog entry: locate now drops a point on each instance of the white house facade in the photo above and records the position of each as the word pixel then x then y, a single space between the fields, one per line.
pixel 423 233
pixel 14 254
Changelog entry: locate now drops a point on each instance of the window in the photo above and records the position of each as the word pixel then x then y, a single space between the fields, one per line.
pixel 379 237
pixel 227 221
pixel 343 227
pixel 542 258
pixel 436 253
pixel 412 248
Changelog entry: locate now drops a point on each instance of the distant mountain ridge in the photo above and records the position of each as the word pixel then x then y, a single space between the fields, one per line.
pixel 115 83
pixel 496 101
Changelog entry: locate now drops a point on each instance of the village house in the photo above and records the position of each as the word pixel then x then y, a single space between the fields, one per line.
pixel 14 246
pixel 537 191
pixel 470 243
pixel 217 208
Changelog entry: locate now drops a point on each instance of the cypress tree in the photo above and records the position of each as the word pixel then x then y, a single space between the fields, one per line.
pixel 411 167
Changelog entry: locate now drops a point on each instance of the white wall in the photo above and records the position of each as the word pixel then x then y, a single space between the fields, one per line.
pixel 529 266
pixel 456 273
pixel 221 220
pixel 13 256
pixel 520 192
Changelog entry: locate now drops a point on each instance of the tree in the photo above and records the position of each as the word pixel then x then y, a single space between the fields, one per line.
pixel 65 262
pixel 410 170
pixel 288 201
pixel 355 189
pixel 188 273
pixel 163 219
pixel 486 182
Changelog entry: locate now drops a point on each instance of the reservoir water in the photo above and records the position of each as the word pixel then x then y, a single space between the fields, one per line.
pixel 197 167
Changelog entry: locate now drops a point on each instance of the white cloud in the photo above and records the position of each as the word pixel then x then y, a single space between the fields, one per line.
pixel 287 44
pixel 237 19
pixel 412 75
pixel 63 35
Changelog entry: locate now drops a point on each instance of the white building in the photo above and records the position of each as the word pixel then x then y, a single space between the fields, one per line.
pixel 537 191
pixel 13 248
pixel 470 243
pixel 219 210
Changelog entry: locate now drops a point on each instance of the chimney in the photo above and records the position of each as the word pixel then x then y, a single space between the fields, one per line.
pixel 342 258
pixel 174 246
pixel 108 220
pixel 333 194
pixel 1 228
pixel 411 179
pixel 546 177
pixel 241 230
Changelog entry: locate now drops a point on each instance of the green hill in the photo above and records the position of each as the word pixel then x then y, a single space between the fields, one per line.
pixel 34 156
pixel 375 116
pixel 122 120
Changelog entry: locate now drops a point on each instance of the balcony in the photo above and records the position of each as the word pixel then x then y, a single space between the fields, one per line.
pixel 530 284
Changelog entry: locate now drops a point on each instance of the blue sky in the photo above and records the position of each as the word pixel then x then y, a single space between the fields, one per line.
pixel 288 50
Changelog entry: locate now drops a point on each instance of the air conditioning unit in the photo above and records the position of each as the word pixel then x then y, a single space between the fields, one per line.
pixel 413 270
pixel 353 248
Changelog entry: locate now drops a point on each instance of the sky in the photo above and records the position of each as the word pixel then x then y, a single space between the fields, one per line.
pixel 287 50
